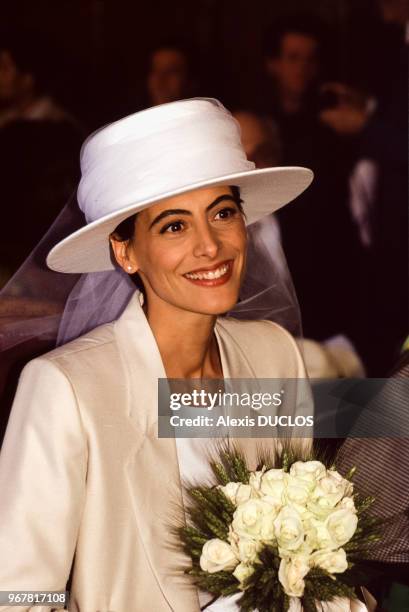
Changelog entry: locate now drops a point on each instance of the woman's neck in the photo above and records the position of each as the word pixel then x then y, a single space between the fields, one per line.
pixel 186 342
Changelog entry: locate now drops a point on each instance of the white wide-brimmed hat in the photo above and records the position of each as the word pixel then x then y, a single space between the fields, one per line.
pixel 158 153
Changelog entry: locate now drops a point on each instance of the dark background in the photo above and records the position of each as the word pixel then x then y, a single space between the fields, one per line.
pixel 102 46
pixel 95 67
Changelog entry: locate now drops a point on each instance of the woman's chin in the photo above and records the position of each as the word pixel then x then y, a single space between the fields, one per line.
pixel 207 301
pixel 215 306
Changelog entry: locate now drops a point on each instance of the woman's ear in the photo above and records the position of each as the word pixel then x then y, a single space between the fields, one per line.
pixel 123 255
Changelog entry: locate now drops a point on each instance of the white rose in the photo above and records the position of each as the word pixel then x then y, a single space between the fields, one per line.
pixel 348 486
pixel 332 488
pixel 230 490
pixel 318 536
pixel 216 556
pixel 255 480
pixel 306 517
pixel 236 492
pixel 273 502
pixel 242 572
pixel 244 493
pixel 305 549
pixel 333 561
pixel 341 526
pixel 247 549
pixel 308 470
pixel 289 529
pixel 347 503
pixel 297 492
pixel 327 494
pixel 321 508
pixel 255 519
pixel 272 484
pixel 291 574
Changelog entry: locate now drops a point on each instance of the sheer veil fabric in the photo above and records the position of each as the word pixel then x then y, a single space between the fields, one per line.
pixel 41 309
pixel 267 291
pixel 31 307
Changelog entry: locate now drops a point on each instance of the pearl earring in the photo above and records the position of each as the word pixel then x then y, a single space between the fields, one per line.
pixel 130 268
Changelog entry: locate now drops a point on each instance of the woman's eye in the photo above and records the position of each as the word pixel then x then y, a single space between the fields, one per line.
pixel 226 213
pixel 172 228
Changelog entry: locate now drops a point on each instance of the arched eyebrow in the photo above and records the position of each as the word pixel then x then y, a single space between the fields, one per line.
pixel 181 211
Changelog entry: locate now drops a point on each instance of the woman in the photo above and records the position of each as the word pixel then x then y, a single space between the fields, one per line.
pixel 83 473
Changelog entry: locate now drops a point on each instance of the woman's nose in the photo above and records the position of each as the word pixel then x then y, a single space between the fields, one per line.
pixel 207 242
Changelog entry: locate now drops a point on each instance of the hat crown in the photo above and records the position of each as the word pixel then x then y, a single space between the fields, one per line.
pixel 158 151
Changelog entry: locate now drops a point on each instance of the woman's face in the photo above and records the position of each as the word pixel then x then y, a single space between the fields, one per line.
pixel 190 251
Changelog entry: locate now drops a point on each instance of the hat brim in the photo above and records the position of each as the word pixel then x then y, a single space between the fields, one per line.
pixel 263 191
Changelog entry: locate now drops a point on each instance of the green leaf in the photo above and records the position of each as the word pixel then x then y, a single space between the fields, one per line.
pixel 220 472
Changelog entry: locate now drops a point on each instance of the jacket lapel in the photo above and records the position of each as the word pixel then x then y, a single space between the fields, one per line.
pixel 236 365
pixel 153 470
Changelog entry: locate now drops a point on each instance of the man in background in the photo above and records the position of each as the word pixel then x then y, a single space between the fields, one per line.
pixel 170 75
pixel 319 238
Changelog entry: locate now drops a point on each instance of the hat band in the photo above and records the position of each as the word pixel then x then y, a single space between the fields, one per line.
pixel 136 171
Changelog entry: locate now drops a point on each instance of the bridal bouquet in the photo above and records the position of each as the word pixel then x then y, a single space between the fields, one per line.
pixel 290 529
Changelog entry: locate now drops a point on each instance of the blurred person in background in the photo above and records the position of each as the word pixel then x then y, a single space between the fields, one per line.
pixel 319 225
pixel 39 146
pixel 292 56
pixel 262 145
pixel 260 138
pixel 24 61
pixel 376 112
pixel 171 75
pixel 334 358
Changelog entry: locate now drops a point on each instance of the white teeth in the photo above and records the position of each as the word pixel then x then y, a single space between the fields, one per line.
pixel 211 275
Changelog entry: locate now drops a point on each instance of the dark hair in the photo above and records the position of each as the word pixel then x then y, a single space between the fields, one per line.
pixel 182 46
pixel 305 24
pixel 125 231
pixel 122 233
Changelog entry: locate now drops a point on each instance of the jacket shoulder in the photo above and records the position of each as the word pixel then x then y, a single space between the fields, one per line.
pixel 89 342
pixel 90 356
pixel 90 366
pixel 270 348
pixel 265 332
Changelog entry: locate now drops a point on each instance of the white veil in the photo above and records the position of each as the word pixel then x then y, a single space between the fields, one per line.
pixel 267 291
pixel 40 308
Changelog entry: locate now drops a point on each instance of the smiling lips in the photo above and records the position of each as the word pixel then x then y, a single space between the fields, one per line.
pixel 211 277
